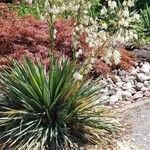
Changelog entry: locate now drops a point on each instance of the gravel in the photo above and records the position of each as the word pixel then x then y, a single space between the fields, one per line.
pixel 122 86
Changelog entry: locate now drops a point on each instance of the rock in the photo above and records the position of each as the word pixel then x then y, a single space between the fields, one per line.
pixel 147 83
pixel 127 86
pixel 144 89
pixel 147 94
pixel 128 102
pixel 142 54
pixel 138 95
pixel 103 82
pixel 136 64
pixel 137 69
pixel 126 94
pixel 138 86
pixel 112 92
pixel 105 97
pixel 142 77
pixel 132 91
pixel 119 94
pixel 146 67
pixel 113 99
pixel 109 80
pixel 132 78
pixel 116 79
pixel 122 72
pixel 104 90
pixel 115 72
pixel 141 63
pixel 119 84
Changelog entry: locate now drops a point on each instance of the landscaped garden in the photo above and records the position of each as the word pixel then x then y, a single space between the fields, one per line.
pixel 69 72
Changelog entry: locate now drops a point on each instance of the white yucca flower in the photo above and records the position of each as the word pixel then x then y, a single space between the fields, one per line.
pixel 53 11
pixel 72 6
pixel 77 28
pixel 126 12
pixel 91 44
pixel 108 57
pixel 80 52
pixel 56 10
pixel 104 26
pixel 130 3
pixel 123 22
pixel 103 35
pixel 131 34
pixel 54 34
pixel 116 57
pixel 124 3
pixel 103 10
pixel 90 66
pixel 136 36
pixel 120 39
pixel 136 16
pixel 77 76
pixel 112 4
pixel 92 60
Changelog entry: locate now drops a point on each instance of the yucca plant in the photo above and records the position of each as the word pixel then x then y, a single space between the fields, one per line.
pixel 49 110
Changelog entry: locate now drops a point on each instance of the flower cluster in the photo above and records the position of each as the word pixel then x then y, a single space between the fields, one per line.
pixel 104 33
pixel 118 20
pixel 121 20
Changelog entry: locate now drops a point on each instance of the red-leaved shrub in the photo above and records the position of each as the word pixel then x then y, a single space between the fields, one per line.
pixel 21 36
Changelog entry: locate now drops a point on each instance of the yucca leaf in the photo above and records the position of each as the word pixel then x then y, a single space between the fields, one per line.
pixel 49 109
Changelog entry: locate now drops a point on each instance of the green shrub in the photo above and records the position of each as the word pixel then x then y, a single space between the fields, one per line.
pixel 23 9
pixel 49 110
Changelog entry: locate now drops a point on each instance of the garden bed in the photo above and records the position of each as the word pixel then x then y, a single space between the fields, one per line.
pixel 66 73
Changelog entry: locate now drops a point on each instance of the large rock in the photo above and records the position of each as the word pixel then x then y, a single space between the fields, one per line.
pixel 142 54
pixel 146 68
pixel 119 94
pixel 133 71
pixel 119 84
pixel 127 86
pixel 138 86
pixel 113 99
pixel 143 77
pixel 126 94
pixel 147 94
pixel 144 89
pixel 122 72
pixel 137 95
pixel 116 79
pixel 147 84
